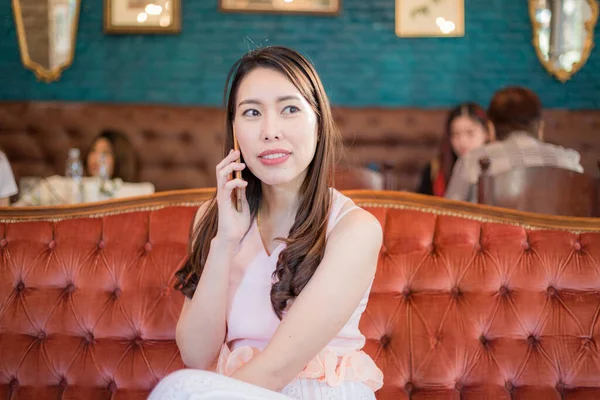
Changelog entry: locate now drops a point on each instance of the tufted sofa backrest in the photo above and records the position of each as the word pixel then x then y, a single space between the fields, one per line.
pixel 468 302
pixel 179 146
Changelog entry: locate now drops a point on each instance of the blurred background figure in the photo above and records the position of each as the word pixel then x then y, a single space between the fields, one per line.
pixel 112 156
pixel 465 130
pixel 107 171
pixel 8 187
pixel 515 115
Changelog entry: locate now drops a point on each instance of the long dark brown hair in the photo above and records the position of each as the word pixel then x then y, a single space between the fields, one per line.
pixel 447 157
pixel 305 244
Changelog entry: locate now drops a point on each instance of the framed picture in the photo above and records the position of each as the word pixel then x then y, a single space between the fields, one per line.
pixel 430 18
pixel 142 16
pixel 326 7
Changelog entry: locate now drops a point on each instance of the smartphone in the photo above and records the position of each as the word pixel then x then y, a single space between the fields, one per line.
pixel 237 175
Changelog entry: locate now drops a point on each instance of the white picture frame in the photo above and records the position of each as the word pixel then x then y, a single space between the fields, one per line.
pixel 142 17
pixel 430 18
pixel 310 7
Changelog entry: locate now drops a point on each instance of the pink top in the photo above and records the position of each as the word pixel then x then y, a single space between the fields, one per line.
pixel 251 321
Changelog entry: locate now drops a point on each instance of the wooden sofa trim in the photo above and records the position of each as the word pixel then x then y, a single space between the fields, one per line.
pixel 364 198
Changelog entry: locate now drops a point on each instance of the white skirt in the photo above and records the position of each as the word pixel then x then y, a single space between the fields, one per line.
pixel 194 384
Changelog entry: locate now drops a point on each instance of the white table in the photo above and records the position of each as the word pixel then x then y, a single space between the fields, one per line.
pixel 58 190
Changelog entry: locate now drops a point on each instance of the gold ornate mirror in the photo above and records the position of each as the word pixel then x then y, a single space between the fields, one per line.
pixel 46 30
pixel 563 34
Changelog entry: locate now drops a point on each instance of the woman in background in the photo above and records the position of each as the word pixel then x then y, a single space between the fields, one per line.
pixel 111 169
pixel 8 187
pixel 119 157
pixel 466 130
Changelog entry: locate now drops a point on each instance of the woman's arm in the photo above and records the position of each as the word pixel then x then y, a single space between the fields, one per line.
pixel 324 306
pixel 202 324
pixel 8 186
pixel 201 327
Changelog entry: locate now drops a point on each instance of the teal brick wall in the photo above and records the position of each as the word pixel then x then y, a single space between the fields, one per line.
pixel 361 61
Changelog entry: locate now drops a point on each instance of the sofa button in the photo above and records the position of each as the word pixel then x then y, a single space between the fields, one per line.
pixel 138 341
pixel 478 248
pixel 101 244
pixel 526 246
pixel 483 340
pixel 3 242
pixel 117 293
pixel 560 387
pixel 385 341
pixel 577 246
pixel 112 386
pixel 409 387
pixel 52 244
pixel 70 288
pixel 551 291
pixel 14 384
pixel 20 287
pixel 455 291
pixel 406 292
pixel 503 291
pixel 89 338
pixel 41 336
pixel 459 386
pixel 532 340
pixel 431 248
pixel 148 247
pixel 63 383
pixel 509 386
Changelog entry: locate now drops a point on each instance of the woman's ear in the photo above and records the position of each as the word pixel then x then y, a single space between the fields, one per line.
pixel 491 131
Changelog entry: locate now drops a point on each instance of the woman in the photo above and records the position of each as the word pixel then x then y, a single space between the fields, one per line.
pixel 466 130
pixel 8 187
pixel 117 152
pixel 275 292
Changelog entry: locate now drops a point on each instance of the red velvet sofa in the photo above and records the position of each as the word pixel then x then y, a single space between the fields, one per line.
pixel 469 302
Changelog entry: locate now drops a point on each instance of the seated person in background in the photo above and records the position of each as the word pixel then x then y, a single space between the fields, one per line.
pixel 112 159
pixel 110 168
pixel 8 187
pixel 515 120
pixel 466 130
pixel 119 157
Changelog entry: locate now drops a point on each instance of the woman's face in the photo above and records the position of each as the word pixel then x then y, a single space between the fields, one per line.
pixel 275 126
pixel 466 134
pixel 100 148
